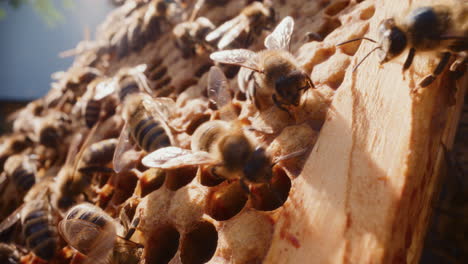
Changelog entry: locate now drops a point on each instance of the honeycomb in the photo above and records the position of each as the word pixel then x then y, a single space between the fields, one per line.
pixel 188 215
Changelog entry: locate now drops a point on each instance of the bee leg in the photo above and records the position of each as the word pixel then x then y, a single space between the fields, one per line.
pixel 213 172
pixel 438 70
pixel 253 88
pixel 313 36
pixel 244 186
pixel 458 67
pixel 409 59
pixel 280 105
pixel 132 229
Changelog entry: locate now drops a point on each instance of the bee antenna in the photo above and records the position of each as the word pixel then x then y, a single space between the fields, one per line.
pixel 365 57
pixel 355 39
pixel 448 37
pixel 196 9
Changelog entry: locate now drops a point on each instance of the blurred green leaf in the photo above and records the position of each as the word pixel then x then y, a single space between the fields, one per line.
pixel 68 4
pixel 16 3
pixel 45 8
pixel 48 12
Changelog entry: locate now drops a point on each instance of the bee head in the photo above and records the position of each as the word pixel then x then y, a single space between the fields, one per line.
pixel 234 150
pixel 65 202
pixel 257 169
pixel 290 87
pixel 392 40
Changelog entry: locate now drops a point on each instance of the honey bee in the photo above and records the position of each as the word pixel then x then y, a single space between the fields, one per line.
pixel 190 35
pixel 97 155
pixel 84 158
pixel 223 145
pixel 92 232
pixel 95 104
pixel 252 19
pixel 158 14
pixel 53 128
pixel 21 169
pixel 127 81
pixel 277 77
pixel 38 222
pixel 426 28
pixel 146 122
pixel 11 145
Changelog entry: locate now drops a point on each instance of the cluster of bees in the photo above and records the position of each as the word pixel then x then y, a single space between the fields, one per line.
pixel 72 150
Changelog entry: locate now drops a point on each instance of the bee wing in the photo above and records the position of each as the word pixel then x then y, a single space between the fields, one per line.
pixel 102 247
pixel 123 146
pixel 218 90
pixel 105 88
pixel 241 57
pixel 225 27
pixel 139 74
pixel 161 107
pixel 76 230
pixel 73 149
pixel 290 155
pixel 281 36
pixel 174 157
pixel 86 142
pixel 234 32
pixel 11 219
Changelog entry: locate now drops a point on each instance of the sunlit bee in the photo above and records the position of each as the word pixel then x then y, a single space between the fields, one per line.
pixel 252 20
pixel 146 122
pixel 190 35
pixel 92 232
pixel 38 221
pixel 92 112
pixel 99 153
pixel 75 175
pixel 96 102
pixel 53 128
pixel 222 145
pixel 147 130
pixel 21 170
pixel 277 79
pixel 442 28
pixel 127 81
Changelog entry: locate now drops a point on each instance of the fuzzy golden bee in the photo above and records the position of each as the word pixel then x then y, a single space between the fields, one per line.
pixel 83 159
pixel 92 232
pixel 252 20
pixel 223 145
pixel 277 77
pixel 442 28
pixel 190 36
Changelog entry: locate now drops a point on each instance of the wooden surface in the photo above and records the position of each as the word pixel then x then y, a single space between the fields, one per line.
pixel 365 193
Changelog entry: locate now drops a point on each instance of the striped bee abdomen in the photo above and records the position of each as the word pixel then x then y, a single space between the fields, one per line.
pixel 40 234
pixel 100 152
pixel 150 135
pixel 24 178
pixel 127 87
pixel 21 170
pixel 92 111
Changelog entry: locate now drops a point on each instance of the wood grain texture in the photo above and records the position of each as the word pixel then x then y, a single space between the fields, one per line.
pixel 365 193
